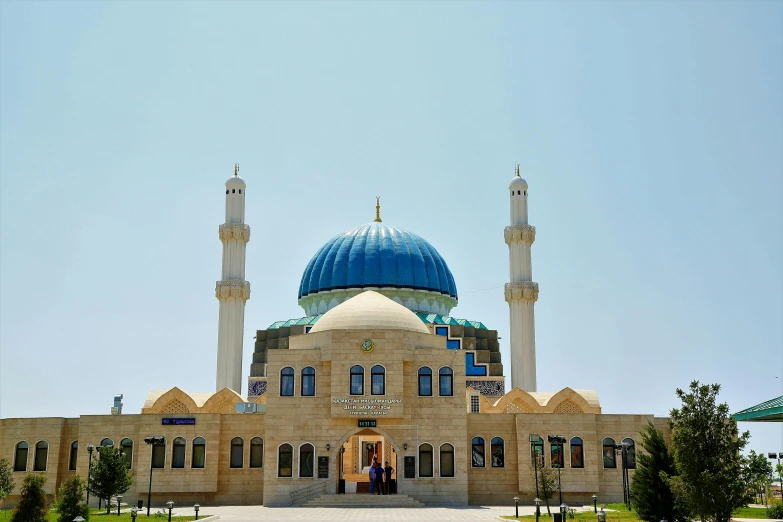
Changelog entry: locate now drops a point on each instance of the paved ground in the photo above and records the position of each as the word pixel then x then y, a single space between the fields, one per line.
pixel 428 514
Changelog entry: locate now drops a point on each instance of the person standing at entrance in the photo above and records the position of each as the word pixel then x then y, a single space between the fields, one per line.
pixel 372 478
pixel 379 480
pixel 387 477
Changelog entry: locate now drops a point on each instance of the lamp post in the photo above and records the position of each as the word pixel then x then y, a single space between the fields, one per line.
pixel 153 441
pixel 134 513
pixel 516 507
pixel 196 507
pixel 90 449
pixel 595 503
pixel 623 449
pixel 563 511
pixel 535 439
pixel 119 500
pixel 559 440
pixel 602 515
pixel 538 508
pixel 170 505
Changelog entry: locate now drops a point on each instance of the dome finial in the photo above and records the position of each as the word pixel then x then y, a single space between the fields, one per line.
pixel 236 169
pixel 517 169
pixel 377 209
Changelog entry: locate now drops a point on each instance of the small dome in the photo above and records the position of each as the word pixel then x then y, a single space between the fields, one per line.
pixel 517 181
pixel 235 180
pixel 370 311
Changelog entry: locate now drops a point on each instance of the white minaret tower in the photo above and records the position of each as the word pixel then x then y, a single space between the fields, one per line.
pixel 521 292
pixel 232 290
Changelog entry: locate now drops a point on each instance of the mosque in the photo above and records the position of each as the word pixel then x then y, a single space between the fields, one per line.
pixel 377 368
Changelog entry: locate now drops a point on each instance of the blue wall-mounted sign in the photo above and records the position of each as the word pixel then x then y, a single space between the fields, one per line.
pixel 177 422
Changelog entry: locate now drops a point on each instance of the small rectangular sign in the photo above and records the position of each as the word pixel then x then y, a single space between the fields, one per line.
pixel 367 423
pixel 410 467
pixel 167 421
pixel 323 467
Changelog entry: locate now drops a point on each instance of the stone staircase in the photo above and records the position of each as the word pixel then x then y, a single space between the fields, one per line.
pixel 364 501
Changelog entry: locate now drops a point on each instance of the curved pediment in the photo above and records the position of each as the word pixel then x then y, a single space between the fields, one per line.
pixel 569 401
pixel 172 401
pixel 517 401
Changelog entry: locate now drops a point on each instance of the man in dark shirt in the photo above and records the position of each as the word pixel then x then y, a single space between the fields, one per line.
pixel 379 479
pixel 388 475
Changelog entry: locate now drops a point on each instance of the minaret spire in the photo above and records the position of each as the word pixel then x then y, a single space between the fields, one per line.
pixel 377 210
pixel 521 292
pixel 232 290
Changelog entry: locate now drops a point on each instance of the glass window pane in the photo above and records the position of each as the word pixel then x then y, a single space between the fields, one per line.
pixel 577 453
pixel 425 382
pixel 447 460
pixel 285 461
pixel 158 456
pixel 237 449
pixel 477 452
pixel 41 455
pixel 425 460
pixel 537 454
pixel 178 453
pixel 608 453
pixel 73 459
pixel 445 385
pixel 497 449
pixel 257 453
pixel 306 455
pixel 199 453
pixel 20 460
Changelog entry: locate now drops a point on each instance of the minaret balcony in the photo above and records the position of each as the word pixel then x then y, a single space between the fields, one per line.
pixel 519 233
pixel 237 231
pixel 522 291
pixel 232 289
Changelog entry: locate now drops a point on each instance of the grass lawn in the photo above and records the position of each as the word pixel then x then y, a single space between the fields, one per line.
pixel 620 514
pixel 101 516
pixel 750 512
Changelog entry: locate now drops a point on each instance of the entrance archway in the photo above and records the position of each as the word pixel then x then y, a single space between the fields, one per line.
pixel 355 453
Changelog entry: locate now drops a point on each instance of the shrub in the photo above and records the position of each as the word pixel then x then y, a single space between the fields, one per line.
pixel 32 502
pixel 70 500
pixel 775 510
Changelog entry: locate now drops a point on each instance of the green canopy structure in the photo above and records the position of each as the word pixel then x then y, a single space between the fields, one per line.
pixel 770 411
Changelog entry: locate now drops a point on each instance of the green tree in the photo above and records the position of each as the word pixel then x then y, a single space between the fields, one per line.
pixel 6 480
pixel 32 502
pixel 547 484
pixel 70 501
pixel 709 481
pixel 653 499
pixel 758 473
pixel 110 474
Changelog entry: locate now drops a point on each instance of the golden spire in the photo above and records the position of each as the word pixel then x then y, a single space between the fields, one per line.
pixel 236 169
pixel 377 209
pixel 517 169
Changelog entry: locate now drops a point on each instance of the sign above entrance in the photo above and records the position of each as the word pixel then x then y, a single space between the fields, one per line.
pixel 367 345
pixel 177 422
pixel 367 423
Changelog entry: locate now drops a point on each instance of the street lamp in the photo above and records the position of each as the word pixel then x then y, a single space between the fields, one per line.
pixel 90 448
pixel 196 507
pixel 563 511
pixel 516 507
pixel 170 505
pixel 559 440
pixel 153 441
pixel 602 515
pixel 595 503
pixel 623 449
pixel 119 499
pixel 134 513
pixel 535 438
pixel 538 507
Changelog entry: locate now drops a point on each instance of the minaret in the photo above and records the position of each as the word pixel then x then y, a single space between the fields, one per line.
pixel 232 290
pixel 521 292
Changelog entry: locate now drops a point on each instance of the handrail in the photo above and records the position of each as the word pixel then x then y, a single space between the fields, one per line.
pixel 302 495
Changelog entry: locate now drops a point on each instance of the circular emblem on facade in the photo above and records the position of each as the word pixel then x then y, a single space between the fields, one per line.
pixel 367 345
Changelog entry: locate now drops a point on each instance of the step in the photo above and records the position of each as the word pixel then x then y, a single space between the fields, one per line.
pixel 364 501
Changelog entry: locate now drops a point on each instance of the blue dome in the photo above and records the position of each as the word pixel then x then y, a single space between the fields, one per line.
pixel 377 255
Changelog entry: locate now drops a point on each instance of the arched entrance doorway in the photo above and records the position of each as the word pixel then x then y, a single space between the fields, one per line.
pixel 359 449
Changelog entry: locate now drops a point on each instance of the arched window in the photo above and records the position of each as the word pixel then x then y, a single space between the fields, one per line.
pixel 477 452
pixel 41 456
pixel 446 382
pixel 198 459
pixel 630 454
pixel 556 454
pixel 287 382
pixel 308 382
pixel 237 451
pixel 256 452
pixel 425 382
pixel 20 457
pixel 178 453
pixel 577 453
pixel 126 448
pixel 357 380
pixel 608 450
pixel 498 451
pixel 425 460
pixel 306 458
pixel 378 380
pixel 74 455
pixel 537 453
pixel 159 456
pixel 446 460
pixel 107 443
pixel 285 460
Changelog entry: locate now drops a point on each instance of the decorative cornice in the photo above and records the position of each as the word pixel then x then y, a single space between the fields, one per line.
pixel 522 291
pixel 234 231
pixel 517 233
pixel 232 289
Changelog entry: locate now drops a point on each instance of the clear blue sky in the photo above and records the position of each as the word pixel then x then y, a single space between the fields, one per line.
pixel 650 134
